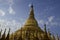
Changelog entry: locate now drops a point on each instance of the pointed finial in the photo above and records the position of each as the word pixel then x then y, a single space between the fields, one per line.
pixel 57 37
pixel 31 11
pixel 5 29
pixel 45 27
pixel 31 5
pixel 9 30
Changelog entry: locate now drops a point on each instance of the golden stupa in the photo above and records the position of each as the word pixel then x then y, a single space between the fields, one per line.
pixel 30 30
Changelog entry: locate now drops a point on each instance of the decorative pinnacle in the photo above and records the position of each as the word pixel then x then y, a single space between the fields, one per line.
pixel 31 11
pixel 45 28
pixel 31 5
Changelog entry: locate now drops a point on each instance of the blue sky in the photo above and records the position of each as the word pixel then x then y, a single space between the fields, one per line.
pixel 13 14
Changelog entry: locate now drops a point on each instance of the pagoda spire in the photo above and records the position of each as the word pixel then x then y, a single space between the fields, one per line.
pixel 31 21
pixel 31 11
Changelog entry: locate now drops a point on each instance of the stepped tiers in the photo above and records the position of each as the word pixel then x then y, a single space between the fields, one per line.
pixel 30 31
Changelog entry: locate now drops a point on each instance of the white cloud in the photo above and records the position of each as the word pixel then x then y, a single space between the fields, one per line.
pixel 41 22
pixel 54 23
pixel 11 11
pixel 10 2
pixel 29 5
pixel 2 13
pixel 13 24
pixel 47 22
pixel 50 19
